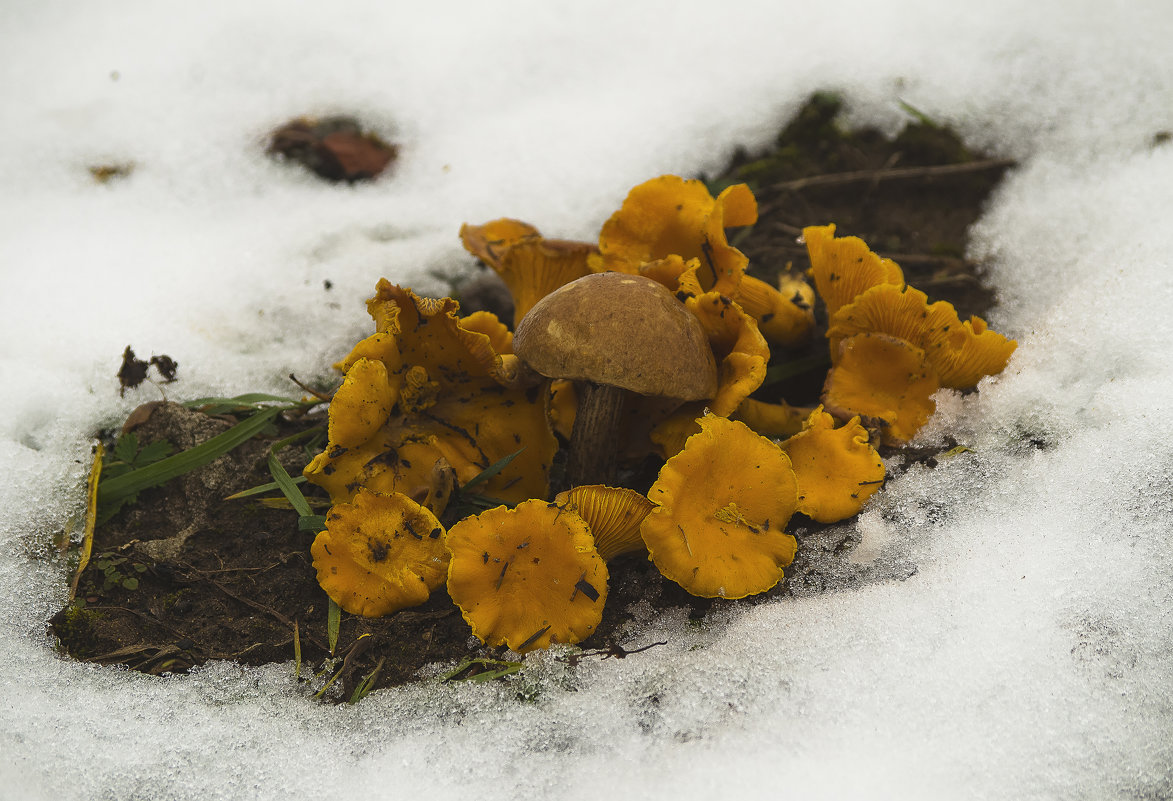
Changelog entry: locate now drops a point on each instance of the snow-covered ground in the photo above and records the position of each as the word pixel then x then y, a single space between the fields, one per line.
pixel 1028 657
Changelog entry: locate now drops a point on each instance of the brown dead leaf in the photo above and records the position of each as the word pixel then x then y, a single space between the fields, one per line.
pixel 336 148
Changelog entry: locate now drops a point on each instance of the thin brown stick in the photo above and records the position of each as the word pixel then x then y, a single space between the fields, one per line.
pixel 887 174
pixel 322 396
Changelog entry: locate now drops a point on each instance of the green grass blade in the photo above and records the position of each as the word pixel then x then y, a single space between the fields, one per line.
pixel 262 488
pixel 481 669
pixel 127 484
pixel 248 399
pixel 492 470
pixel 287 486
pixel 333 623
pixel 314 523
pixel 364 687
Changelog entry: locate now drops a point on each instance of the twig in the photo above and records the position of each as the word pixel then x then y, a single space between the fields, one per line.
pixel 885 174
pixel 322 396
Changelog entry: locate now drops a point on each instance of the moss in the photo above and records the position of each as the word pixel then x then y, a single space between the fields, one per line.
pixel 74 627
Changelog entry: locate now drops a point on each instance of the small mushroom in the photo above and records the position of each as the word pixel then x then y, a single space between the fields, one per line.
pixel 613 514
pixel 975 352
pixel 885 380
pixel 961 353
pixel 362 404
pixel 614 334
pixel 489 242
pixel 530 265
pixel 844 267
pixel 722 507
pixel 380 553
pixel 673 216
pixel 785 314
pixel 772 419
pixel 836 468
pixel 527 577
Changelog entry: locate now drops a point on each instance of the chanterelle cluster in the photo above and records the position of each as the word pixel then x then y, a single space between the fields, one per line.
pixel 647 345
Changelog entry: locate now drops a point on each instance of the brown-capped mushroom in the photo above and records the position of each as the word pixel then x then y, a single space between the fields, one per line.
pixel 614 333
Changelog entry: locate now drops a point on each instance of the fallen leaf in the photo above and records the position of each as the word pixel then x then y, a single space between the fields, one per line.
pixel 336 148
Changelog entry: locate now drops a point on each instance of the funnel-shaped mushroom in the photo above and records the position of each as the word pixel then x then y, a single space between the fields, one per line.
pixel 379 554
pixel 723 504
pixel 673 216
pixel 614 334
pixel 961 353
pixel 534 269
pixel 530 265
pixel 885 380
pixel 975 351
pixel 489 242
pixel 614 515
pixel 527 577
pixel 836 468
pixel 785 314
pixel 844 267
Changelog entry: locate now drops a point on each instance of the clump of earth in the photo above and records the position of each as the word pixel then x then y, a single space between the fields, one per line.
pixel 181 576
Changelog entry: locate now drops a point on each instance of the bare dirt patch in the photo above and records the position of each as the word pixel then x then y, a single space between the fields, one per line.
pixel 182 576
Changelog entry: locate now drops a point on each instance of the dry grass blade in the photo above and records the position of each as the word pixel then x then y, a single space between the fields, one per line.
pixel 87 542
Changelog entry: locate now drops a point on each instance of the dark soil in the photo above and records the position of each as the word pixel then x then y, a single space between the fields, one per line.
pixel 217 579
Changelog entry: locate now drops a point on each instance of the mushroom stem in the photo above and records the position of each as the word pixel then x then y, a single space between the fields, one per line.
pixel 594 448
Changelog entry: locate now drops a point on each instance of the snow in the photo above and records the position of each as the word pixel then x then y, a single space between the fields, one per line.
pixel 1030 654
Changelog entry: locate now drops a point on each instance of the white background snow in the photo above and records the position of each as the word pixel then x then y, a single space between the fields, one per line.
pixel 1028 657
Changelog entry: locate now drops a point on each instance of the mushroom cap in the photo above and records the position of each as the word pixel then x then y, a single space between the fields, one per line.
pixel 843 267
pixel 490 241
pixel 836 468
pixel 883 378
pixel 724 502
pixel 961 353
pixel 785 314
pixel 380 553
pixel 527 577
pixel 362 404
pixel 772 419
pixel 670 215
pixel 619 330
pixel 975 352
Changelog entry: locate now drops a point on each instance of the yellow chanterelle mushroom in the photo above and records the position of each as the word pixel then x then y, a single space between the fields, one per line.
pixel 380 553
pixel 527 577
pixel 723 503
